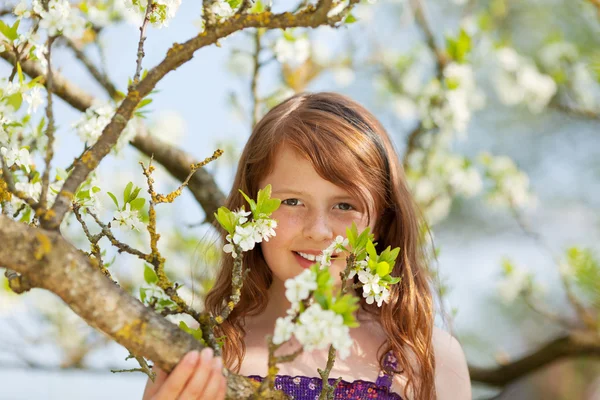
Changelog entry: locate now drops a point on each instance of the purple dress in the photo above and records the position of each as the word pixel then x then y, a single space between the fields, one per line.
pixel 307 388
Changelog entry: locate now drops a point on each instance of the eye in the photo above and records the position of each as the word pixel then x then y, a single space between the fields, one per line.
pixel 291 202
pixel 345 206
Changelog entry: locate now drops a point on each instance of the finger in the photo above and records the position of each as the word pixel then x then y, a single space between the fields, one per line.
pixel 176 381
pixel 153 387
pixel 215 382
pixel 195 387
pixel 222 390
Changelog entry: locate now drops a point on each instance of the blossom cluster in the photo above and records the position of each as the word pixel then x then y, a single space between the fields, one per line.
pixel 162 12
pixel 96 118
pixel 518 81
pixel 248 234
pixel 337 246
pixel 436 171
pixel 59 18
pixel 511 186
pixel 292 50
pixel 315 329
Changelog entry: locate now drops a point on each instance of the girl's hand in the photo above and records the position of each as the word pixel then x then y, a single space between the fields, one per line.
pixel 198 376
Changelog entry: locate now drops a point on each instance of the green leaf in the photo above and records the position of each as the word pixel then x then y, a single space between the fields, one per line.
pixel 251 202
pixel 134 194
pixel 83 194
pixel 196 333
pixel 371 251
pixel 114 199
pixel 10 32
pixel 234 3
pixel 143 295
pixel 226 218
pixel 137 204
pixel 149 275
pixel 258 7
pixel 383 268
pixel 15 100
pixel 20 73
pixel 321 298
pixel 350 19
pixel 352 234
pixel 127 192
pixel 270 206
pixel 95 189
pixel 459 48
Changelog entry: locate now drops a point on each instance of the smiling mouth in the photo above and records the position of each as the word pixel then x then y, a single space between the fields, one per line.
pixel 311 257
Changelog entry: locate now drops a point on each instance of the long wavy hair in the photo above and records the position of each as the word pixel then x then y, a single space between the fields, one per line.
pixel 347 146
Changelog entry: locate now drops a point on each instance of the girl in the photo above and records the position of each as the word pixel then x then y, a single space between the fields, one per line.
pixel 331 163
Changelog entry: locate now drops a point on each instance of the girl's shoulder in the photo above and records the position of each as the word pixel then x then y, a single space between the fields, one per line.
pixel 452 380
pixel 452 374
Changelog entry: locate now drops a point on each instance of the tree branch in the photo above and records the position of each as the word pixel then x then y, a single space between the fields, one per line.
pixel 52 263
pixel 575 345
pixel 177 162
pixel 177 55
pixel 100 77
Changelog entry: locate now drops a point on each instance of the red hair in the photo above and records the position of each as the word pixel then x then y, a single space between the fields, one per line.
pixel 347 146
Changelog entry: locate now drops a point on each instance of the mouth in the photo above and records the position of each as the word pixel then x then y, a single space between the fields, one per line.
pixel 308 260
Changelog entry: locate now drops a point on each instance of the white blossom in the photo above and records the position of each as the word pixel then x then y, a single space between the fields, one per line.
pixel 370 283
pixel 519 81
pixel 358 266
pixel 284 328
pixel 299 288
pixel 318 328
pixel 128 219
pixel 136 12
pixel 292 51
pixel 33 190
pixel 466 181
pixel 222 9
pixel 60 18
pixel 512 285
pixel 21 10
pixel 34 99
pixel 229 248
pixel 18 156
pixel 241 216
pixel 96 118
pixel 265 228
pixel 246 237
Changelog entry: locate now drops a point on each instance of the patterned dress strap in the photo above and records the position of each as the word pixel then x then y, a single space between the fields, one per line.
pixel 385 378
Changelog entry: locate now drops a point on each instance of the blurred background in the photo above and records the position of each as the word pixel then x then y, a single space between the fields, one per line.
pixel 494 108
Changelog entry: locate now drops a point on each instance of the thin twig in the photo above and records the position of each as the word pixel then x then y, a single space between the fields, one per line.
pixel 49 129
pixel 140 52
pixel 11 185
pixel 587 318
pixel 98 75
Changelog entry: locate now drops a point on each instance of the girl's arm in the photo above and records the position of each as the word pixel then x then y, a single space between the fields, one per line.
pixel 452 380
pixel 198 376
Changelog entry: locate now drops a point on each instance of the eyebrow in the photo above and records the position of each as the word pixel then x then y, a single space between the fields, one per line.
pixel 300 193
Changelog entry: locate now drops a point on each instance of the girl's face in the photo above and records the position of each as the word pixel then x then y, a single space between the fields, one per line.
pixel 313 212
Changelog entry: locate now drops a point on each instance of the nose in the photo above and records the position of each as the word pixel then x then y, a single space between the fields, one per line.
pixel 318 227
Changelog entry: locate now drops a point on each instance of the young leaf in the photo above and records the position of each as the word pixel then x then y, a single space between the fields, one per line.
pixel 149 275
pixel 134 195
pixel 252 204
pixel 371 250
pixel 127 192
pixel 114 199
pixel 137 204
pixel 383 268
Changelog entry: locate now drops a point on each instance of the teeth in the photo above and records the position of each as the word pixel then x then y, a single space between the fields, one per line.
pixel 309 257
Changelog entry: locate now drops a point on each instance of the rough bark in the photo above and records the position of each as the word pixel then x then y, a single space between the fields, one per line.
pixel 50 262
